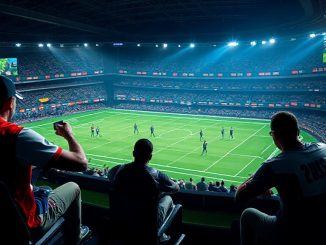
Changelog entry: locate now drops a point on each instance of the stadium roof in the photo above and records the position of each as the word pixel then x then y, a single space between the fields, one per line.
pixel 157 20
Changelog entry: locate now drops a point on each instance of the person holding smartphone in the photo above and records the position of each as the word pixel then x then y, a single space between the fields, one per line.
pixel 23 149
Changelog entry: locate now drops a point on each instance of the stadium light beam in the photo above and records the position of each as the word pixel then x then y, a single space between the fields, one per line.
pixel 192 45
pixel 156 45
pixel 179 46
pixel 138 45
pixel 253 43
pixel 263 42
pixel 85 44
pixel 18 45
pixel 48 45
pixel 40 45
pixel 312 35
pixel 165 45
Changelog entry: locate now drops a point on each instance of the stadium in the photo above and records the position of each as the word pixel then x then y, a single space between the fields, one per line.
pixel 200 79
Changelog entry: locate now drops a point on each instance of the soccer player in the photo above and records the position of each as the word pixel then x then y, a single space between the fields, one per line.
pixel 231 133
pixel 201 134
pixel 136 128
pixel 92 130
pixel 204 147
pixel 97 131
pixel 222 133
pixel 152 131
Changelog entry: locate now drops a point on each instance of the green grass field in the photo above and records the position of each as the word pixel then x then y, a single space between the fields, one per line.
pixel 177 148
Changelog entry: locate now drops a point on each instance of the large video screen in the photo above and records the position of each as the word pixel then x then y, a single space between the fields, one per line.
pixel 8 66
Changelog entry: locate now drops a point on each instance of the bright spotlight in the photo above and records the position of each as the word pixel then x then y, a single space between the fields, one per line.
pixel 263 42
pixel 179 46
pixel 97 45
pixel 138 45
pixel 312 35
pixel 85 44
pixel 192 45
pixel 156 45
pixel 233 44
pixel 41 45
pixel 165 45
pixel 48 45
pixel 62 45
pixel 253 43
pixel 272 40
pixel 18 45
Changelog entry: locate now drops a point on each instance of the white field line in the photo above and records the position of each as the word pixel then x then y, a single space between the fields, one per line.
pixel 127 147
pixel 244 167
pixel 235 147
pixel 191 175
pixel 94 122
pixel 190 152
pixel 115 158
pixel 181 141
pixel 241 155
pixel 191 115
pixel 215 154
pixel 272 154
pixel 68 119
pixel 254 159
pixel 267 148
pixel 165 166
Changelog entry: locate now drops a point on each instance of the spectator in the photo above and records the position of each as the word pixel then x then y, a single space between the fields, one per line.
pixel 233 189
pixel 202 186
pixel 299 176
pixel 142 155
pixel 222 188
pixel 211 186
pixel 190 185
pixel 21 147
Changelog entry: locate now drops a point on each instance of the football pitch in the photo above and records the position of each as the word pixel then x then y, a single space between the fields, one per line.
pixel 177 145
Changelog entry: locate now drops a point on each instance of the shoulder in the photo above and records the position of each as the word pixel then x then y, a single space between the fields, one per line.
pixel 30 134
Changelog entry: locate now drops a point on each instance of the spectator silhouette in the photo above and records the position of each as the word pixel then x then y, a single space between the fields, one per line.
pixel 299 175
pixel 142 155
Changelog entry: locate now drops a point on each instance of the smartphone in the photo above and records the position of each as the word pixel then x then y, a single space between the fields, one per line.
pixel 57 123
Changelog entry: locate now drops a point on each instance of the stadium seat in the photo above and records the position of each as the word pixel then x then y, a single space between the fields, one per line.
pixel 134 212
pixel 14 229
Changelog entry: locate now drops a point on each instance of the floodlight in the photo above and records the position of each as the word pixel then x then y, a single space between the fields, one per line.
pixel 272 40
pixel 233 44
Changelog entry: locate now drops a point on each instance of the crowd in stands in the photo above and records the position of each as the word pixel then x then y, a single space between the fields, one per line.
pixel 50 84
pixel 59 61
pixel 242 85
pixel 219 96
pixel 60 100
